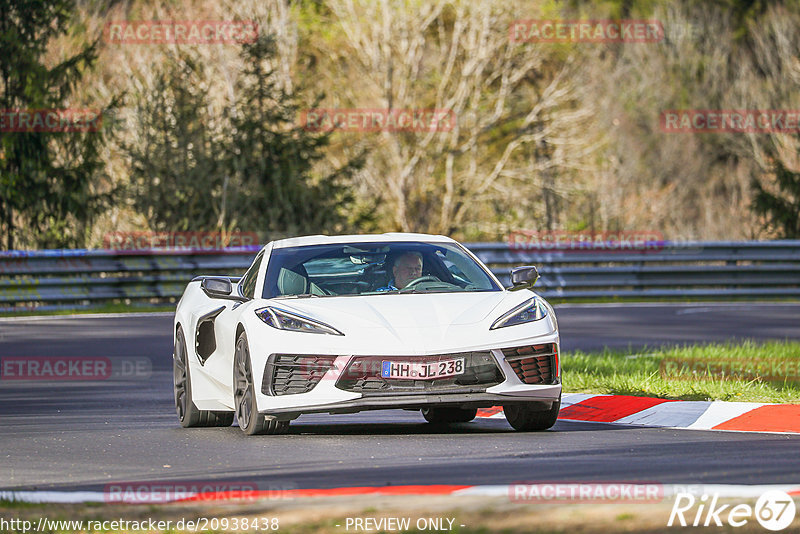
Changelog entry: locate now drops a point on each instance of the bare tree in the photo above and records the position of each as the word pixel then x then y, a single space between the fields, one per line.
pixel 457 56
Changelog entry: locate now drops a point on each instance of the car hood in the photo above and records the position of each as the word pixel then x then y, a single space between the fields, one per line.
pixel 395 311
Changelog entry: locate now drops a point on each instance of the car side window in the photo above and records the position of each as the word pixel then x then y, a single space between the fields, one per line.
pixel 248 282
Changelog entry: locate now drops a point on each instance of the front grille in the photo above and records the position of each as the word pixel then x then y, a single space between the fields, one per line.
pixel 363 375
pixel 287 374
pixel 533 364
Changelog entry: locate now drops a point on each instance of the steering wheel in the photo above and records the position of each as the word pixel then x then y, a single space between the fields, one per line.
pixel 421 279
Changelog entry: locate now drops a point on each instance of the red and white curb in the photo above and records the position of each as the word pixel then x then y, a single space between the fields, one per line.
pixel 523 491
pixel 695 415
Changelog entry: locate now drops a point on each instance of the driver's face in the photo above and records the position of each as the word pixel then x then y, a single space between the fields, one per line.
pixel 406 269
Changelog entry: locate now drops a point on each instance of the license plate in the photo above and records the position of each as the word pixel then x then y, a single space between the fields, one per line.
pixel 422 370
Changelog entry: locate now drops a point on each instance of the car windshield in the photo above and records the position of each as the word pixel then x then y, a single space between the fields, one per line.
pixel 373 269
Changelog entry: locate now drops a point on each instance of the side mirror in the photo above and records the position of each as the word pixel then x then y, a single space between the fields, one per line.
pixel 523 277
pixel 217 287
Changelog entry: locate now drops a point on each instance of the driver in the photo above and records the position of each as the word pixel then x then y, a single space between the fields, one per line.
pixel 406 267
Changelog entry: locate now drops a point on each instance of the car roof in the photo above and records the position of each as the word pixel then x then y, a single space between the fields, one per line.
pixel 392 237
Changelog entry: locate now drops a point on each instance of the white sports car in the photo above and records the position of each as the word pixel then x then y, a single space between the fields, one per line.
pixel 349 323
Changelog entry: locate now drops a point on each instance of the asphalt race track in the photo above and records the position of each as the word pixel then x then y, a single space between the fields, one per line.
pixel 85 435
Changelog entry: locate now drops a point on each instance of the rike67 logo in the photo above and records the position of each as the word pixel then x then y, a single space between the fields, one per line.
pixel 774 510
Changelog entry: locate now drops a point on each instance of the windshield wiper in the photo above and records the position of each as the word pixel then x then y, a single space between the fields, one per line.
pixel 429 289
pixel 299 296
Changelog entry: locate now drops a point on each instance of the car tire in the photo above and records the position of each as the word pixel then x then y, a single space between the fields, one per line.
pixel 244 397
pixel 188 414
pixel 449 415
pixel 527 419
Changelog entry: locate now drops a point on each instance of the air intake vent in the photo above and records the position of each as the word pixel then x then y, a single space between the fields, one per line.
pixel 533 364
pixel 288 374
pixel 363 375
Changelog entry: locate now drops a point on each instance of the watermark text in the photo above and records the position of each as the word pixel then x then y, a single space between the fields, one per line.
pixel 378 120
pixel 180 32
pixel 50 120
pixel 586 31
pixel 585 241
pixel 730 121
pixel 179 240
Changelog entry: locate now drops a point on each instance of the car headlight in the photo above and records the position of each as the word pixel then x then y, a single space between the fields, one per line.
pixel 527 312
pixel 284 320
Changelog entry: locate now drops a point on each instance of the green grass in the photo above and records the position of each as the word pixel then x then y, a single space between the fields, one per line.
pixel 641 374
pixel 15 504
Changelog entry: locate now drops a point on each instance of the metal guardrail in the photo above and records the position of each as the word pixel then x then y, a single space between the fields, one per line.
pixel 701 269
pixel 52 279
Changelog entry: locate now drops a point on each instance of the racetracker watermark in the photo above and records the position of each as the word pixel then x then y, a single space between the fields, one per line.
pixel 586 31
pixel 586 491
pixel 730 369
pixel 131 241
pixel 50 120
pixel 88 368
pixel 160 492
pixel 180 32
pixel 377 120
pixel 730 121
pixel 585 241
